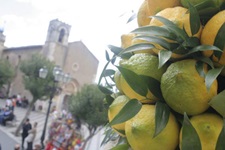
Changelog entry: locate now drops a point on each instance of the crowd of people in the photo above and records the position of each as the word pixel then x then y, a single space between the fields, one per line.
pixel 17 100
pixel 6 114
pixel 7 111
pixel 64 133
pixel 28 131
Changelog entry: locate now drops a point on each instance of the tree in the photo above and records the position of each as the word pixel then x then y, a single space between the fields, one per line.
pixel 88 106
pixel 33 82
pixel 6 72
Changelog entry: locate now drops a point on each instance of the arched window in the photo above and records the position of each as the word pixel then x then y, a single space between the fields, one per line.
pixel 61 35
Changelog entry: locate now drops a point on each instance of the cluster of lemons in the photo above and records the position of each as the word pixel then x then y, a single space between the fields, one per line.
pixel 182 86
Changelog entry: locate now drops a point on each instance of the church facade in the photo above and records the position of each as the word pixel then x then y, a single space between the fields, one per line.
pixel 73 57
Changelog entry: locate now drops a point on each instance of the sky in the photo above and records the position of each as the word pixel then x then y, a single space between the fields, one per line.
pixel 97 23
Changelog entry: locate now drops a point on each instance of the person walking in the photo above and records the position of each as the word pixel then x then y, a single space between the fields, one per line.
pixel 26 127
pixel 13 102
pixel 32 134
pixel 8 103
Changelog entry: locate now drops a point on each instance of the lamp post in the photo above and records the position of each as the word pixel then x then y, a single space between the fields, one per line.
pixel 59 76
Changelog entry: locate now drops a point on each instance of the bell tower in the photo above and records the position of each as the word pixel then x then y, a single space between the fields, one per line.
pixel 56 44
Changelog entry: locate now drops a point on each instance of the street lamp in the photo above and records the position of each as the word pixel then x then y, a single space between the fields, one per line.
pixel 59 76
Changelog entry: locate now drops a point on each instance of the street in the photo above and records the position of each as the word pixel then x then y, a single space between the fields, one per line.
pixel 34 116
pixel 6 142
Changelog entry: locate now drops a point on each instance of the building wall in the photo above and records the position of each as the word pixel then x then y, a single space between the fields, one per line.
pixel 81 63
pixel 74 58
pixel 15 56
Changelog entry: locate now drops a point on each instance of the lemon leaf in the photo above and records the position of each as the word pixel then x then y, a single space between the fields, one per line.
pixel 104 90
pixel 181 34
pixel 110 134
pixel 205 4
pixel 200 68
pixel 130 109
pixel 206 60
pixel 211 75
pixel 218 103
pixel 204 48
pixel 120 131
pixel 116 50
pixel 219 40
pixel 164 56
pixel 153 86
pixel 102 74
pixel 107 56
pixel 134 16
pixel 173 27
pixel 190 138
pixel 191 42
pixel 162 42
pixel 180 50
pixel 156 31
pixel 220 141
pixel 161 117
pixel 122 140
pixel 194 19
pixel 121 147
pixel 135 81
pixel 109 99
pixel 137 47
pixel 109 72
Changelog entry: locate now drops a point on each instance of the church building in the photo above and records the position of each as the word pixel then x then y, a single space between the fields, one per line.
pixel 73 57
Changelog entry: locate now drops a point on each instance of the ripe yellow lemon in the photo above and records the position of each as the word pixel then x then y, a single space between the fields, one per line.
pixel 151 7
pixel 140 131
pixel 114 109
pixel 179 16
pixel 129 39
pixel 208 127
pixel 117 78
pixel 156 6
pixel 139 41
pixel 126 40
pixel 184 89
pixel 143 15
pixel 209 34
pixel 141 64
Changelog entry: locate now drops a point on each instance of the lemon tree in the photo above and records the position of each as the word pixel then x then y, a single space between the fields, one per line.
pixel 190 87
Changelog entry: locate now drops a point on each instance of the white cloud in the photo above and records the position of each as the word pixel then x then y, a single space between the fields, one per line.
pixel 24 1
